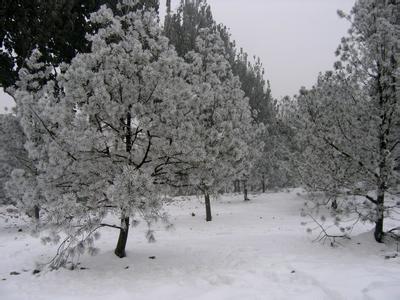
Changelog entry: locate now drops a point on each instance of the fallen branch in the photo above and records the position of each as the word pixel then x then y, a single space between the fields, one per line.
pixel 324 235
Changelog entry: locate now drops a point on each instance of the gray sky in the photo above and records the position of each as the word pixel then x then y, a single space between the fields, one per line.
pixel 295 39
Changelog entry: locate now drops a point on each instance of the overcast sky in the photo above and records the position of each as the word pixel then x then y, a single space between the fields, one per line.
pixel 295 39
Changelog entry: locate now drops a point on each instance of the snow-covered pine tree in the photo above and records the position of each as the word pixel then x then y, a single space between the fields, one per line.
pixel 257 90
pixel 225 134
pixel 349 121
pixel 110 129
pixel 274 166
pixel 182 27
pixel 36 81
pixel 12 153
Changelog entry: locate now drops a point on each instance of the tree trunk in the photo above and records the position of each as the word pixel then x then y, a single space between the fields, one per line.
pixel 334 204
pixel 378 234
pixel 245 191
pixel 123 232
pixel 236 184
pixel 263 183
pixel 122 239
pixel 36 212
pixel 208 207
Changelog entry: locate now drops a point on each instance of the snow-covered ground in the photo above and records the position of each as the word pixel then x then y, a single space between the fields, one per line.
pixel 251 250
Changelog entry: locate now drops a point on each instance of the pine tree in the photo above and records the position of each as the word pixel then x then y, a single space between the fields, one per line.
pixel 183 26
pixel 109 131
pixel 28 131
pixel 349 120
pixel 12 152
pixel 224 132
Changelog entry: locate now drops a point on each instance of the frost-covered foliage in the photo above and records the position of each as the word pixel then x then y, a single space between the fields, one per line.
pixel 104 132
pixel 264 111
pixel 275 166
pixel 12 152
pixel 349 121
pixel 107 133
pixel 183 27
pixel 29 95
pixel 224 133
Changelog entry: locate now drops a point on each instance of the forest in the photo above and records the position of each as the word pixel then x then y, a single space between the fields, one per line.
pixel 129 124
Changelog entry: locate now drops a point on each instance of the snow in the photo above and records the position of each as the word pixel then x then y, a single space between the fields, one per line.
pixel 251 250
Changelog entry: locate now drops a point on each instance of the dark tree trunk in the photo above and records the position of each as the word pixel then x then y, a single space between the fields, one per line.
pixel 245 191
pixel 238 186
pixel 245 195
pixel 334 204
pixel 235 186
pixel 378 233
pixel 123 232
pixel 263 183
pixel 122 239
pixel 387 96
pixel 208 207
pixel 36 212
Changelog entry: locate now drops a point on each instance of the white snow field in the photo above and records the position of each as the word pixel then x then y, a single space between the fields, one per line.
pixel 251 250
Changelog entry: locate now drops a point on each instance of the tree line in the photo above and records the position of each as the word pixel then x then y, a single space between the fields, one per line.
pixel 110 128
pixel 113 110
